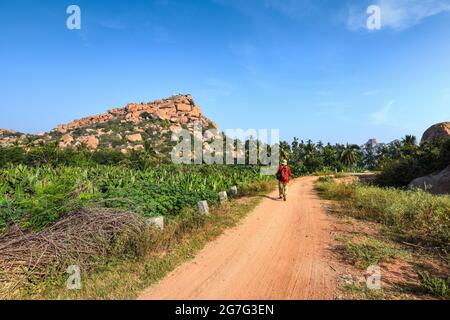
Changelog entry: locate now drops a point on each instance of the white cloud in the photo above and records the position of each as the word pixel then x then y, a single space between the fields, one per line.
pixel 397 14
pixel 382 116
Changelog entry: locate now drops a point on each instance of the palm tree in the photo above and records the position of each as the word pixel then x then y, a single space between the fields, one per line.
pixel 409 140
pixel 285 150
pixel 349 155
pixel 296 150
pixel 329 156
pixel 409 146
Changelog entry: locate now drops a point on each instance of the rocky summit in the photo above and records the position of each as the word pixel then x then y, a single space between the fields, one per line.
pixel 133 127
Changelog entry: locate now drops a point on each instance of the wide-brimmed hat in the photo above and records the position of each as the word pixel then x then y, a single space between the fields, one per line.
pixel 284 162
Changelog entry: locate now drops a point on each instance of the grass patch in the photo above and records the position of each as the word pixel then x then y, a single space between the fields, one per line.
pixel 324 179
pixel 370 251
pixel 331 190
pixel 413 216
pixel 433 285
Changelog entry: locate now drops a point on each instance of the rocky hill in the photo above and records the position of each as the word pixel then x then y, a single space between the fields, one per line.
pixel 134 126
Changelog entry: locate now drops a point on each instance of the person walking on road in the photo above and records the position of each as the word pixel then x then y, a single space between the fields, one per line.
pixel 283 175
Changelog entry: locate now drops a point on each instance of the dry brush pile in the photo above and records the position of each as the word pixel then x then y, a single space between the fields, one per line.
pixel 83 237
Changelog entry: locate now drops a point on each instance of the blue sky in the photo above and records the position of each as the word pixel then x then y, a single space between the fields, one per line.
pixel 309 68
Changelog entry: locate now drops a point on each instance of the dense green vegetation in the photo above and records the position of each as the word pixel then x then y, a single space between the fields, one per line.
pixel 308 158
pixel 413 216
pixel 37 196
pixel 399 162
pixel 41 183
pixel 51 154
pixel 415 161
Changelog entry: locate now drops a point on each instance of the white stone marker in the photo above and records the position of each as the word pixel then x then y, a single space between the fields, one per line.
pixel 203 208
pixel 223 197
pixel 158 222
pixel 234 190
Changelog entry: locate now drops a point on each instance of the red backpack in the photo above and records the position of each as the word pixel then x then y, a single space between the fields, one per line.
pixel 283 175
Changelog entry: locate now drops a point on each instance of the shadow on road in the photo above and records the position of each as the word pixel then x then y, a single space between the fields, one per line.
pixel 272 198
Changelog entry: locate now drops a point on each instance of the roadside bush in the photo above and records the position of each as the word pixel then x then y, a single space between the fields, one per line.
pixel 399 173
pixel 415 216
pixel 428 158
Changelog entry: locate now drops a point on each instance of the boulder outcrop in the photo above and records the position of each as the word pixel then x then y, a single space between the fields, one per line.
pixel 437 183
pixel 91 142
pixel 179 108
pixel 134 137
pixel 65 141
pixel 438 131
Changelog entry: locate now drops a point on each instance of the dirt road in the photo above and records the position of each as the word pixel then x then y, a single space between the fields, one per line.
pixel 280 251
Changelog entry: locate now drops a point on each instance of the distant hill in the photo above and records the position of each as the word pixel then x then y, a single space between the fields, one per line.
pixel 132 127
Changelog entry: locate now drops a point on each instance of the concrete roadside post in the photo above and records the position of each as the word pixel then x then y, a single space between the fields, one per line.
pixel 157 222
pixel 203 208
pixel 223 197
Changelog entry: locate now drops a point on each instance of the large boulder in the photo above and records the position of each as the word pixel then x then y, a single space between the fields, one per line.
pixel 134 137
pixel 196 112
pixel 66 141
pixel 85 122
pixel 91 142
pixel 436 183
pixel 440 130
pixel 183 107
